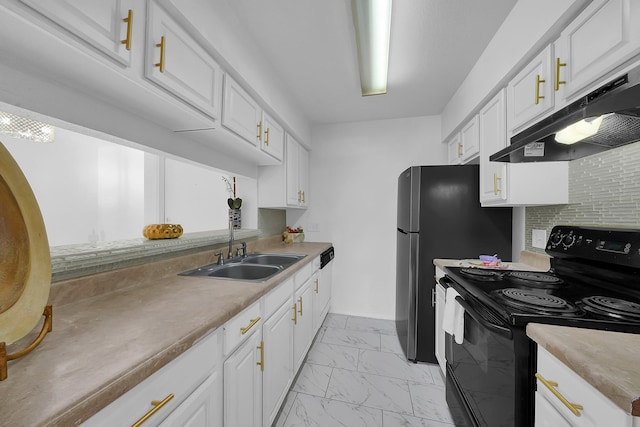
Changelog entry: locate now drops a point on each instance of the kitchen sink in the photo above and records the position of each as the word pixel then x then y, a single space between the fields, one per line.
pixel 256 267
pixel 272 259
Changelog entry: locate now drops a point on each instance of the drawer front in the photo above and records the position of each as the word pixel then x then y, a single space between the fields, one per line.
pixel 242 326
pixel 178 378
pixel 316 264
pixel 302 275
pixel 597 410
pixel 274 299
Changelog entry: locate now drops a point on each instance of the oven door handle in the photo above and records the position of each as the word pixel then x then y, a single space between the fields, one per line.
pixel 500 330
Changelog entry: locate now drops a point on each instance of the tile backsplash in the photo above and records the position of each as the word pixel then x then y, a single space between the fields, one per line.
pixel 604 190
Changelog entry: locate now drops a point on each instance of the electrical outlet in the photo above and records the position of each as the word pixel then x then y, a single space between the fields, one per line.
pixel 539 238
pixel 313 226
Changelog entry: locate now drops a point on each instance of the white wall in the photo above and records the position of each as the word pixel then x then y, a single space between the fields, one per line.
pixel 354 172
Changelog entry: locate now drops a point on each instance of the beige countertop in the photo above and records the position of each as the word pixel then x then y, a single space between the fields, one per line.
pixel 121 327
pixel 606 360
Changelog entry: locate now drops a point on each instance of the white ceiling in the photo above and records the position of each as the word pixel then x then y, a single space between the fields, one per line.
pixel 311 45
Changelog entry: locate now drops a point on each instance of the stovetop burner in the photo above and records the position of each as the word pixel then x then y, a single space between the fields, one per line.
pixel 538 301
pixel 481 274
pixel 611 307
pixel 535 279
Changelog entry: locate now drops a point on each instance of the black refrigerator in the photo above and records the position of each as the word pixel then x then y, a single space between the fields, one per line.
pixel 439 216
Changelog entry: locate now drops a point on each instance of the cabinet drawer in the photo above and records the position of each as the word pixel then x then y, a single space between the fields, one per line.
pixel 274 299
pixel 178 378
pixel 301 276
pixel 241 326
pixel 316 263
pixel 597 410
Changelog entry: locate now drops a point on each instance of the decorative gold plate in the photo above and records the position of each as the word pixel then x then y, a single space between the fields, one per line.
pixel 162 231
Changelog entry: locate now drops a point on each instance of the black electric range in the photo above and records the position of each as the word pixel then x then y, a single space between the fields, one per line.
pixel 594 282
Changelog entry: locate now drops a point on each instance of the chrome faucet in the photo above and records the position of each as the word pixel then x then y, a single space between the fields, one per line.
pixel 220 258
pixel 243 249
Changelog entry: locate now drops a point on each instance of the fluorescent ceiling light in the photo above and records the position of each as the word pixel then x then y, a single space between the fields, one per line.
pixel 372 23
pixel 579 131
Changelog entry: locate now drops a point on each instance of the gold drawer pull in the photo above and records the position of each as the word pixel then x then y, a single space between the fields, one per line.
pixel 558 81
pixel 496 187
pixel 316 286
pixel 129 20
pixel 261 362
pixel 259 131
pixel 295 314
pixel 459 150
pixel 161 63
pixel 156 407
pixel 551 385
pixel 538 96
pixel 251 325
pixel 266 134
pixel 300 310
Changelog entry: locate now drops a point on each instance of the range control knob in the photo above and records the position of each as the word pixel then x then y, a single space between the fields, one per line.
pixel 568 240
pixel 555 239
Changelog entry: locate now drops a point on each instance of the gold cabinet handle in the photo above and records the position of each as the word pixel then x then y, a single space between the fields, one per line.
pixel 299 196
pixel 129 20
pixel 260 131
pixel 261 362
pixel 538 96
pixel 295 314
pixel 156 407
pixel 161 63
pixel 250 325
pixel 316 286
pixel 551 385
pixel 558 81
pixel 300 309
pixel 303 200
pixel 459 150
pixel 496 187
pixel 266 134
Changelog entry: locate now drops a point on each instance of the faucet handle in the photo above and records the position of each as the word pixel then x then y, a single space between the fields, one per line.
pixel 242 249
pixel 220 257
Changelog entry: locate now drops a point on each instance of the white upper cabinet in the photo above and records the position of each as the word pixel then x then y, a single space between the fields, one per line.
pixel 272 138
pixel 470 140
pixel 176 62
pixel 530 94
pixel 240 113
pixel 107 25
pixel 519 184
pixel 493 137
pixel 601 38
pixel 454 149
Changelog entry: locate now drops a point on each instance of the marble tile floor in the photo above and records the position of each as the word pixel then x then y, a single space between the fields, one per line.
pixel 356 375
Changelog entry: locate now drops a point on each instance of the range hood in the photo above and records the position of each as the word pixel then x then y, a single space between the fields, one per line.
pixel 611 111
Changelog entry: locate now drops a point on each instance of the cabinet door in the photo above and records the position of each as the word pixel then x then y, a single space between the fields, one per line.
pixel 602 37
pixel 240 113
pixel 440 299
pixel 272 141
pixel 100 23
pixel 292 171
pixel 454 150
pixel 493 175
pixel 322 296
pixel 203 408
pixel 177 63
pixel 303 176
pixel 277 334
pixel 303 328
pixel 530 94
pixel 470 140
pixel 243 385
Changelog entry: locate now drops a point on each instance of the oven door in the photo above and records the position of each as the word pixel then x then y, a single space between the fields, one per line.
pixel 481 372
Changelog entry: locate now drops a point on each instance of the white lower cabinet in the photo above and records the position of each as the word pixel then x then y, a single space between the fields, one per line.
pixel 563 398
pixel 322 297
pixel 187 391
pixel 243 383
pixel 303 332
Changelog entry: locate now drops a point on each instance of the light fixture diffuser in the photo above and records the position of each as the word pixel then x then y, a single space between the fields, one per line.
pixel 579 131
pixel 372 24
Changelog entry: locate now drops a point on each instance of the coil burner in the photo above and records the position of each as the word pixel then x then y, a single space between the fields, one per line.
pixel 481 274
pixel 535 279
pixel 538 302
pixel 609 307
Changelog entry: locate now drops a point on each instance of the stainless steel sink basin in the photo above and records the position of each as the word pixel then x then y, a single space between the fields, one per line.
pixel 272 259
pixel 257 267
